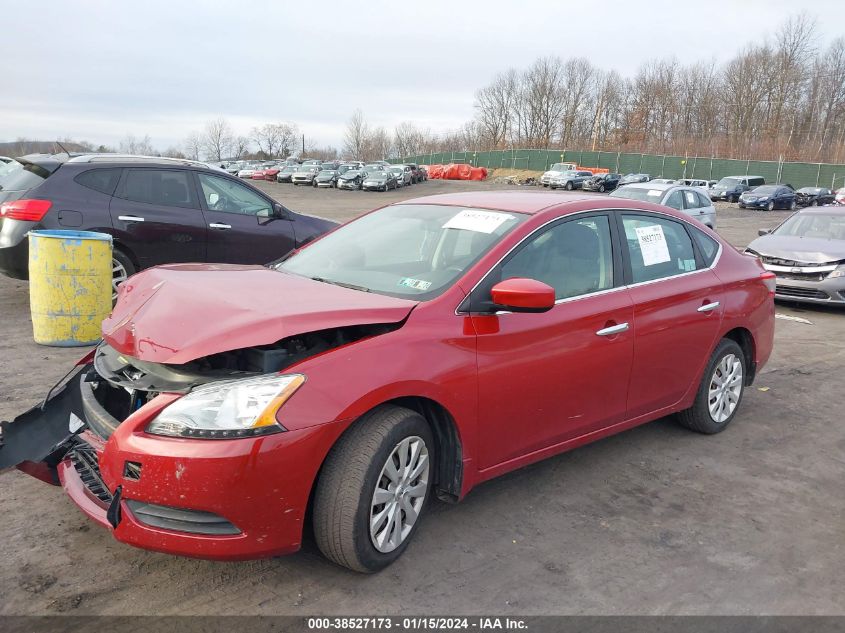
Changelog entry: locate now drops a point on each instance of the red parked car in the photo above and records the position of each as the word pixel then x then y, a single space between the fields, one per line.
pixel 412 353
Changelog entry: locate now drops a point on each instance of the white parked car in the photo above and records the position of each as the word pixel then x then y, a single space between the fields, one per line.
pixel 556 170
pixel 690 200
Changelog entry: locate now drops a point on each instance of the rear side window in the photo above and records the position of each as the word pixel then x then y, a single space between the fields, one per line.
pixel 703 201
pixel 21 177
pixel 164 187
pixel 102 180
pixel 657 247
pixel 706 244
pixel 691 200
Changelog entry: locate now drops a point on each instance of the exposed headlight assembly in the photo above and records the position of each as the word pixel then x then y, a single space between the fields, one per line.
pixel 838 273
pixel 228 409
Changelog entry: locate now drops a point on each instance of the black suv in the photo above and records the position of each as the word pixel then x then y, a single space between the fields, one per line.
pixel 158 210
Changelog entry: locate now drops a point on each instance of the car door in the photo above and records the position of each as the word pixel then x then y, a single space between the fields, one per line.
pixel 547 378
pixel 677 309
pixel 156 215
pixel 242 228
pixel 696 207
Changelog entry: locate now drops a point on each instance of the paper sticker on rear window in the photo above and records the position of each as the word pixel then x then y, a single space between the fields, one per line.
pixel 478 221
pixel 416 284
pixel 654 193
pixel 653 245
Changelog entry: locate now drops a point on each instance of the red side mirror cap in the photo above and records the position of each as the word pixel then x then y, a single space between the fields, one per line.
pixel 523 295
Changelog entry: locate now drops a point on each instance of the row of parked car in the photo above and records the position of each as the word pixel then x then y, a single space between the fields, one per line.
pixel 376 176
pixel 749 192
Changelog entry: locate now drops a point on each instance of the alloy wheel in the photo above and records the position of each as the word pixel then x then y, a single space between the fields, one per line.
pixel 725 388
pixel 118 276
pixel 400 493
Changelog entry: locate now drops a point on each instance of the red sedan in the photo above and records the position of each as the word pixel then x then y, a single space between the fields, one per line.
pixel 412 353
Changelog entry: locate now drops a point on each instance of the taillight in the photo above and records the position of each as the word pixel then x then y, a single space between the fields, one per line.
pixel 770 280
pixel 28 210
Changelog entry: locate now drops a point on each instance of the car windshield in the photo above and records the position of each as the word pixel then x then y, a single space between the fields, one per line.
pixel 825 226
pixel 763 190
pixel 350 173
pixel 638 193
pixel 558 167
pixel 810 190
pixel 405 250
pixel 375 173
pixel 727 182
pixel 397 170
pixel 289 169
pixel 374 168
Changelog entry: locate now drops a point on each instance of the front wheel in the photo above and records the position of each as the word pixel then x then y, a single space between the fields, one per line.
pixel 792 205
pixel 373 489
pixel 601 188
pixel 771 205
pixel 569 186
pixel 720 391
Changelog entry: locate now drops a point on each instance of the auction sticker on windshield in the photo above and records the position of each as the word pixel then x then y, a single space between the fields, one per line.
pixel 653 244
pixel 478 221
pixel 416 284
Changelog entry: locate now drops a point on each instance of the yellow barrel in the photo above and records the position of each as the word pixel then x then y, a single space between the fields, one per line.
pixel 70 286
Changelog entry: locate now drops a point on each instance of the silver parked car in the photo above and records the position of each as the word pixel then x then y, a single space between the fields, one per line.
pixel 305 174
pixel 403 173
pixel 807 255
pixel 690 200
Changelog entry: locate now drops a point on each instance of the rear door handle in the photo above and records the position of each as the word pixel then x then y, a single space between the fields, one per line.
pixel 709 307
pixel 222 227
pixel 130 218
pixel 613 329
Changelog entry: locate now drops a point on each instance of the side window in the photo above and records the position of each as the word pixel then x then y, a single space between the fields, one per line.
pixel 657 247
pixel 691 200
pixel 164 187
pixel 675 200
pixel 230 196
pixel 102 180
pixel 706 244
pixel 574 258
pixel 703 201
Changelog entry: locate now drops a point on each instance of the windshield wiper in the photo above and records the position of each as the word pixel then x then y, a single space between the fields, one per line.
pixel 341 284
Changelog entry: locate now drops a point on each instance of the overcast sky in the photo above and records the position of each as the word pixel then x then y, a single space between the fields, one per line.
pixel 99 70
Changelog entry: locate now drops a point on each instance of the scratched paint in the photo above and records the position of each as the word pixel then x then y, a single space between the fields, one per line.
pixel 70 286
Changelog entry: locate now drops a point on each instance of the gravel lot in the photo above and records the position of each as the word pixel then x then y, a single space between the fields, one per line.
pixel 656 520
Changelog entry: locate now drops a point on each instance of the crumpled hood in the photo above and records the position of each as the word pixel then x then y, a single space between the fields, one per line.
pixel 800 249
pixel 180 312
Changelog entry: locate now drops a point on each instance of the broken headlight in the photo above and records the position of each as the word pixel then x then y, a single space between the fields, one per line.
pixel 228 409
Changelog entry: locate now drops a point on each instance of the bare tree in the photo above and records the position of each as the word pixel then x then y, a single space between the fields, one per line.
pixel 192 146
pixel 275 139
pixel 139 146
pixel 355 139
pixel 218 140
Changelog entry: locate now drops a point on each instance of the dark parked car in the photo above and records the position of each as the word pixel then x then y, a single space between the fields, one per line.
pixel 417 173
pixel 602 182
pixel 158 210
pixel 326 178
pixel 769 197
pixel 350 179
pixel 287 173
pixel 731 188
pixel 814 197
pixel 379 180
pixel 807 255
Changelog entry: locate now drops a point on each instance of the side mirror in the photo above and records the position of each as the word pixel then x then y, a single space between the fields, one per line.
pixel 523 295
pixel 763 231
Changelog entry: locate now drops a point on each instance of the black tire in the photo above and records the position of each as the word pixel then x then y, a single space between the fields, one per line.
pixel 569 186
pixel 814 203
pixel 601 188
pixel 697 417
pixel 348 479
pixel 793 205
pixel 771 205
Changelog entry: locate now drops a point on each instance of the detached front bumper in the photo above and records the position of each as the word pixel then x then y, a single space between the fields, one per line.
pixel 233 499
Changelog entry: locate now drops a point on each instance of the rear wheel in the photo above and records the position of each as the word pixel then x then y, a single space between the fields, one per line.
pixel 720 391
pixel 792 205
pixel 122 268
pixel 569 186
pixel 814 203
pixel 373 489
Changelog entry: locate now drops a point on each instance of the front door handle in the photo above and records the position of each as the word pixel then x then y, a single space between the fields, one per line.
pixel 221 227
pixel 130 218
pixel 613 329
pixel 709 307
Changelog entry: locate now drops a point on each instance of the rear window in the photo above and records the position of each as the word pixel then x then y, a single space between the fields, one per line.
pixel 102 180
pixel 17 176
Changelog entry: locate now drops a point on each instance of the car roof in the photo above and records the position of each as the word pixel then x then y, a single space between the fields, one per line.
pixel 831 210
pixel 656 186
pixel 537 203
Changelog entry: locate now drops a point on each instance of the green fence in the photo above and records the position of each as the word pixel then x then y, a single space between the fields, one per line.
pixel 657 165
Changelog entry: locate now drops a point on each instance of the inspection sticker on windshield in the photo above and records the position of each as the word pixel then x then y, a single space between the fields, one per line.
pixel 653 244
pixel 416 284
pixel 478 221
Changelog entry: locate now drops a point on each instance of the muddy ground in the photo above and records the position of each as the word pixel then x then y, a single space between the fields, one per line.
pixel 656 520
